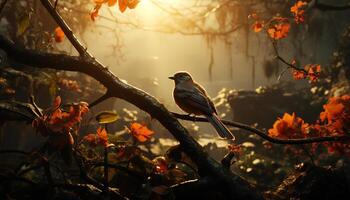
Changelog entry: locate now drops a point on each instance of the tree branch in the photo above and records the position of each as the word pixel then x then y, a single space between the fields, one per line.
pixel 264 135
pixel 16 111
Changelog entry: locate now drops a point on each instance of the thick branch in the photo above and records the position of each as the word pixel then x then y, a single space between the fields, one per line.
pixel 15 111
pixel 137 97
pixel 266 136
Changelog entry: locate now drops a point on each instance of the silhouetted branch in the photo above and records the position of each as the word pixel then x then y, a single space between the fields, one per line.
pixel 100 99
pixel 17 111
pixel 226 161
pixel 264 135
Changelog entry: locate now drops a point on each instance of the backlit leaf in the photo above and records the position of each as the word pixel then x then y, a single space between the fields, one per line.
pixel 106 117
pixel 23 24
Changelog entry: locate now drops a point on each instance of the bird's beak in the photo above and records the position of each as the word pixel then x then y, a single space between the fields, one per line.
pixel 171 77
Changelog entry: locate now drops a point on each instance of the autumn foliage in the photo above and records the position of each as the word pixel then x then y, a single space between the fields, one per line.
pixel 311 71
pixel 59 35
pixel 289 126
pixel 60 124
pixel 278 28
pixel 333 121
pixel 140 132
pixel 100 138
pixel 298 11
pixel 122 4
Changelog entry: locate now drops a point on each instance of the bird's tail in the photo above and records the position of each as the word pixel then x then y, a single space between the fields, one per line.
pixel 220 128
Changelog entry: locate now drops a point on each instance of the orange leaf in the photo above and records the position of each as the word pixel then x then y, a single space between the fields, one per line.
pixel 279 28
pixel 57 102
pixel 140 132
pixel 111 2
pixel 102 136
pixel 258 26
pixel 290 126
pixel 297 74
pixel 91 138
pixel 297 11
pixel 94 12
pixel 123 4
pixel 59 34
pixel 133 3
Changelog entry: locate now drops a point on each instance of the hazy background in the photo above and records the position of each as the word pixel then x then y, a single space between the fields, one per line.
pixel 147 58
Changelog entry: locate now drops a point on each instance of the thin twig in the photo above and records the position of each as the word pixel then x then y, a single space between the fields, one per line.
pixel 99 100
pixel 66 29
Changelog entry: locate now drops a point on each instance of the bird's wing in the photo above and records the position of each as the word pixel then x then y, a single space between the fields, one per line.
pixel 196 99
pixel 198 86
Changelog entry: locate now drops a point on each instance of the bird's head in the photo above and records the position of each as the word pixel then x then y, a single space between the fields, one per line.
pixel 181 77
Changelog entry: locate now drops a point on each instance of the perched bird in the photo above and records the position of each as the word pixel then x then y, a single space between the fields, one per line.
pixel 193 99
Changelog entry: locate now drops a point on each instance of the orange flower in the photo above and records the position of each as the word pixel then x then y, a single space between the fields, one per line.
pixel 140 132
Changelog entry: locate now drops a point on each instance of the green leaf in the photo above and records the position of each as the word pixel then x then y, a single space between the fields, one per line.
pixel 23 23
pixel 106 117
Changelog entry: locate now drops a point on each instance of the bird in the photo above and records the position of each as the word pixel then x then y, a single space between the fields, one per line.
pixel 192 98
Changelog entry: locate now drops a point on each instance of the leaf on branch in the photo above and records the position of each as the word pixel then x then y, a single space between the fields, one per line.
pixel 100 138
pixel 56 120
pixel 311 71
pixel 59 35
pixel 334 121
pixel 122 4
pixel 140 132
pixel 95 10
pixel 289 126
pixel 279 28
pixel 299 74
pixel 111 2
pixel 23 24
pixel 106 117
pixel 258 26
pixel 298 12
